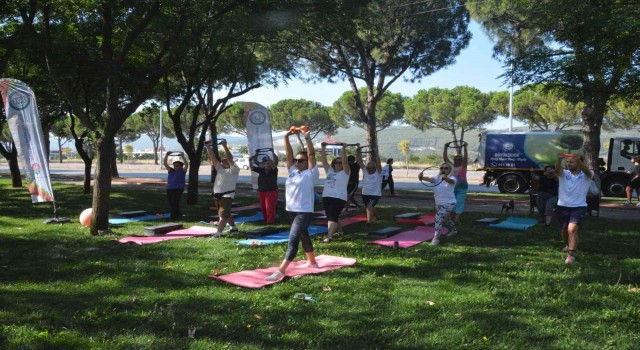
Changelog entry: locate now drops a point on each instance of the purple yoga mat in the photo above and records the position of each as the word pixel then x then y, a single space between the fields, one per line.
pixel 256 278
pixel 194 231
pixel 408 239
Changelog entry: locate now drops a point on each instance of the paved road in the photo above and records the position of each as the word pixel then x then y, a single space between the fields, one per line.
pixel 404 180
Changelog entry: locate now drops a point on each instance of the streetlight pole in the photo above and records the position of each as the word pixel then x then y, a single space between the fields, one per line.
pixel 511 101
pixel 161 148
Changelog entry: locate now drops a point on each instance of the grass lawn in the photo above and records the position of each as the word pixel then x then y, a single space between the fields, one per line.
pixel 62 288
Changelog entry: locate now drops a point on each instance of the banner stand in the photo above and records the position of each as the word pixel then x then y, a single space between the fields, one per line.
pixel 55 219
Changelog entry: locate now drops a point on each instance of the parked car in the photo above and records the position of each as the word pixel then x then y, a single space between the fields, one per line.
pixel 243 163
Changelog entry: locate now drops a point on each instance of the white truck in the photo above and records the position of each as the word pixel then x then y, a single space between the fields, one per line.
pixel 508 157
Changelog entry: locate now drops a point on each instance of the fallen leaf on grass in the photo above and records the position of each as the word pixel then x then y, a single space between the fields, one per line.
pixel 634 290
pixel 326 288
pixel 429 302
pixel 215 272
pixel 258 316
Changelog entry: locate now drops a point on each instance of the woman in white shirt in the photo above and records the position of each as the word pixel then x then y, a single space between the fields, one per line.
pixel 371 183
pixel 303 174
pixel 334 195
pixel 445 198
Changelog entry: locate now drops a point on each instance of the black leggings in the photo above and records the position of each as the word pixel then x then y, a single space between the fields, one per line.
pixel 174 196
pixel 298 233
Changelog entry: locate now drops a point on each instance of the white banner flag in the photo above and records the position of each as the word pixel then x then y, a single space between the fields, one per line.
pixel 258 131
pixel 24 124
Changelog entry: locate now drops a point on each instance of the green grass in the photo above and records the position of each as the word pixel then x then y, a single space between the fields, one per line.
pixel 61 288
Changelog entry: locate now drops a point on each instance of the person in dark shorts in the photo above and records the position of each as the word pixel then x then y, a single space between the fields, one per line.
pixel 634 181
pixel 387 176
pixel 573 187
pixel 175 183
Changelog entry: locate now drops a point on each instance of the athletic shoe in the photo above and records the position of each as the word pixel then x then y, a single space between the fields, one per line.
pixel 627 203
pixel 217 235
pixel 435 241
pixel 565 249
pixel 570 259
pixel 233 229
pixel 638 204
pixel 276 276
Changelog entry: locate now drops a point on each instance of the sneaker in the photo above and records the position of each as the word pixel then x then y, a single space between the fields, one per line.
pixel 435 241
pixel 565 249
pixel 276 276
pixel 452 233
pixel 638 204
pixel 570 259
pixel 233 229
pixel 627 203
pixel 217 235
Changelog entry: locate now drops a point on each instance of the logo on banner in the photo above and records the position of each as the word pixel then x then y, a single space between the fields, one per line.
pixel 257 117
pixel 19 100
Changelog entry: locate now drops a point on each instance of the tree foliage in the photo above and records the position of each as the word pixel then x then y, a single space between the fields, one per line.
pixel 377 42
pixel 290 112
pixel 462 108
pixel 588 49
pixel 389 109
pixel 545 109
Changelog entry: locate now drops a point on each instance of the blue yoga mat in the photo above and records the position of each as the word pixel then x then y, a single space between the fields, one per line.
pixel 280 237
pixel 515 223
pixel 256 217
pixel 122 221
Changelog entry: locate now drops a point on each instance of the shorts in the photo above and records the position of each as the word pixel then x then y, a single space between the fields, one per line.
pixel 570 215
pixel 333 207
pixel 224 207
pixel 370 201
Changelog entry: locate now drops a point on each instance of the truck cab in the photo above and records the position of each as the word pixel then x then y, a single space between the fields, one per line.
pixel 615 175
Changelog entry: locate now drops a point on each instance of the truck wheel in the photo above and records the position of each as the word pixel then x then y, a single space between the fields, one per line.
pixel 512 183
pixel 614 187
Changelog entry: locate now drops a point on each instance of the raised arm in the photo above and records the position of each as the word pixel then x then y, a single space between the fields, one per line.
pixel 445 156
pixel 311 153
pixel 345 164
pixel 288 150
pixel 584 167
pixel 323 158
pixel 212 157
pixel 376 159
pixel 421 177
pixel 227 153
pixel 359 156
pixel 556 175
pixel 186 163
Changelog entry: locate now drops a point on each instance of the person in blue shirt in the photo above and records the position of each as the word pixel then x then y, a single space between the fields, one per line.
pixel 175 183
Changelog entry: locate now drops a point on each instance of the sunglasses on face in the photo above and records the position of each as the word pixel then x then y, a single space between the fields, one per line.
pixel 338 163
pixel 300 160
pixel 444 168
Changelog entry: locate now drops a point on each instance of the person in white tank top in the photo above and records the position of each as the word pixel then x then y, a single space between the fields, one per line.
pixel 334 194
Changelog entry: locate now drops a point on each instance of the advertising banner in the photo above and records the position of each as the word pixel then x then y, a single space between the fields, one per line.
pixel 258 131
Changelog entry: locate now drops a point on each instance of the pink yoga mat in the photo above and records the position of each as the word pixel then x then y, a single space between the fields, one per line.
pixel 256 278
pixel 426 219
pixel 408 239
pixel 194 231
pixel 347 221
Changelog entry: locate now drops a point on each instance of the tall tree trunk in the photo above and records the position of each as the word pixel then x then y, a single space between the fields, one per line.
pixel 60 150
pixel 192 188
pixel 113 160
pixel 14 167
pixel 102 184
pixel 592 117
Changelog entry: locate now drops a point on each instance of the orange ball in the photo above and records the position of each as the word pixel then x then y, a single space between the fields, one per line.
pixel 85 217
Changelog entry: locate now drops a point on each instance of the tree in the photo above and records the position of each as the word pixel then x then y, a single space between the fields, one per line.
pixel 286 113
pixel 377 42
pixel 588 50
pixel 623 115
pixel 115 52
pixel 544 108
pixel 460 109
pixel 388 110
pixel 405 146
pixel 128 150
pixel 147 122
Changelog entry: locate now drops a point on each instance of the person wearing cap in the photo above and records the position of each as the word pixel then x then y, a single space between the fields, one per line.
pixel 176 175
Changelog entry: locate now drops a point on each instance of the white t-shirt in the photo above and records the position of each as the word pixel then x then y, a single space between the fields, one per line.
pixel 226 180
pixel 443 192
pixel 299 189
pixel 371 183
pixel 335 185
pixel 573 189
pixel 385 172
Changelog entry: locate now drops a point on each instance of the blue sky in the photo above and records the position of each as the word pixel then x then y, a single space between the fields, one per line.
pixel 475 67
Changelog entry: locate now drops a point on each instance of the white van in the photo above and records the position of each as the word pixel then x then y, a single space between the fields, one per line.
pixel 243 163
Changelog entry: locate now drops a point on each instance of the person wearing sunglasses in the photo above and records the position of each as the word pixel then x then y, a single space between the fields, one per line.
pixel 303 173
pixel 334 194
pixel 445 200
pixel 371 183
